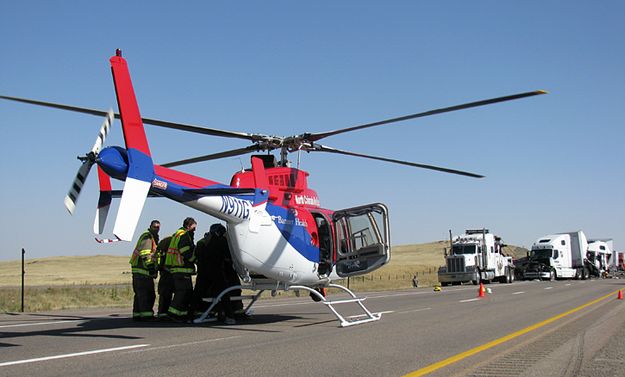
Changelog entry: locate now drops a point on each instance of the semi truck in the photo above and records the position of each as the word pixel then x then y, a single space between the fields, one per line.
pixel 476 256
pixel 599 254
pixel 560 255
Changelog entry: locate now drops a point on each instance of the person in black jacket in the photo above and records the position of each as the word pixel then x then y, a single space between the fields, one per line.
pixel 214 267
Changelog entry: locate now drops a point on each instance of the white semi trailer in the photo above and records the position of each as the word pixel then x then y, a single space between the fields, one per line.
pixel 560 255
pixel 476 256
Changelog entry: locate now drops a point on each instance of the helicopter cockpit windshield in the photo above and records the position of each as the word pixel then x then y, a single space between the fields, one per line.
pixel 362 239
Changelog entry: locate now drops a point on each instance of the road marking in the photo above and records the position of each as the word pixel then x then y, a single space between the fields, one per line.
pixel 70 355
pixel 548 287
pixel 463 355
pixel 185 344
pixel 40 323
pixel 567 284
pixel 518 293
pixel 469 300
pixel 415 310
pixel 365 315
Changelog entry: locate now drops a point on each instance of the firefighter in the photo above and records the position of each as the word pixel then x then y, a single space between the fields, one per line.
pixel 220 271
pixel 180 263
pixel 206 269
pixel 165 279
pixel 232 279
pixel 215 273
pixel 143 264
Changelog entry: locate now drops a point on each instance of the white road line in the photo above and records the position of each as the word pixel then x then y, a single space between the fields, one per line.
pixel 518 293
pixel 548 287
pixel 40 323
pixel 70 355
pixel 415 310
pixel 364 315
pixel 185 344
pixel 567 284
pixel 469 300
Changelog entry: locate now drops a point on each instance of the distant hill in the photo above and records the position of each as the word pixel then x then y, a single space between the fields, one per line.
pixel 109 269
pixel 516 252
pixel 433 253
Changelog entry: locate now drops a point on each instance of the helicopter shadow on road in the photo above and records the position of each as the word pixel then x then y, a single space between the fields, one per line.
pixel 249 324
pixel 83 329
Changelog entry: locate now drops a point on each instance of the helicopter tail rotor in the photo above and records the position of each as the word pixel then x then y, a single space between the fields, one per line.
pixel 88 161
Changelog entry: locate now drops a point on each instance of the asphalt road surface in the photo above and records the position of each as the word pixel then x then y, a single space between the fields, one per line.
pixel 561 328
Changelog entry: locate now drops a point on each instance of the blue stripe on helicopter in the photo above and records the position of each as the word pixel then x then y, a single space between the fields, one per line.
pixel 294 231
pixel 140 165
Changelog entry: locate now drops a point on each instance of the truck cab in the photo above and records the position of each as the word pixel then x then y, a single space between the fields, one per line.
pixel 474 257
pixel 561 255
pixel 550 258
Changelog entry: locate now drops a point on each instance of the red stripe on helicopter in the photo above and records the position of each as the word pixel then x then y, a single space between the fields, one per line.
pixel 105 181
pixel 134 134
pixel 183 179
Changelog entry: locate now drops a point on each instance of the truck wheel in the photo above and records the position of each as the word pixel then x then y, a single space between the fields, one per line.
pixel 552 275
pixel 477 279
pixel 577 274
pixel 585 274
pixel 505 279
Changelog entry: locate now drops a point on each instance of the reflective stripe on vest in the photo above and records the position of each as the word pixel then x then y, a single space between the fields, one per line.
pixel 174 256
pixel 141 271
pixel 146 253
pixel 184 270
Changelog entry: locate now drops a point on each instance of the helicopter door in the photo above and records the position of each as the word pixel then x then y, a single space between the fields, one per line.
pixel 362 239
pixel 324 232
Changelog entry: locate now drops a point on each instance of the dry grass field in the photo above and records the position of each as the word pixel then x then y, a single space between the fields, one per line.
pixel 54 271
pixel 105 280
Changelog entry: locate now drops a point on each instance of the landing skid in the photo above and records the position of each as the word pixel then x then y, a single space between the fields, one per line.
pixel 368 316
pixel 260 288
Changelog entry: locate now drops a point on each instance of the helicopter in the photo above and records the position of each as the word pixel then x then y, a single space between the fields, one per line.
pixel 279 235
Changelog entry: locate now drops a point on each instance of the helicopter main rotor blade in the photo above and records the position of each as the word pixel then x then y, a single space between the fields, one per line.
pixel 323 148
pixel 213 156
pixel 320 135
pixel 154 122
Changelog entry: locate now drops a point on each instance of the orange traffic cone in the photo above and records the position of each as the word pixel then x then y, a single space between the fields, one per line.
pixel 620 295
pixel 481 291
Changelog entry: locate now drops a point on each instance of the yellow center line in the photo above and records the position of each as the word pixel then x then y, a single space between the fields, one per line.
pixel 463 355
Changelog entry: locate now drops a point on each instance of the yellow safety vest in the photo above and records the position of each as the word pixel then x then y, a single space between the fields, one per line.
pixel 142 259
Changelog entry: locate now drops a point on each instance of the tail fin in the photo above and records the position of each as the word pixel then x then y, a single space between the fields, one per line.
pixel 104 203
pixel 140 166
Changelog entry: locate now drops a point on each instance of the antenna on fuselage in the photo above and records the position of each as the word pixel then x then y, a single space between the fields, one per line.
pixel 241 162
pixel 299 153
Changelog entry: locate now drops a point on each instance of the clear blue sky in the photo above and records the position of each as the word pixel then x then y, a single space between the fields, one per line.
pixel 553 163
